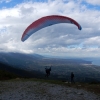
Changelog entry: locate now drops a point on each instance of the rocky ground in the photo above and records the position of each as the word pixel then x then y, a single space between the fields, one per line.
pixel 34 90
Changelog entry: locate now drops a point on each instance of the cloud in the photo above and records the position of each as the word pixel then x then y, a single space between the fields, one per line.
pixel 60 39
pixel 6 1
pixel 93 2
pixel 93 41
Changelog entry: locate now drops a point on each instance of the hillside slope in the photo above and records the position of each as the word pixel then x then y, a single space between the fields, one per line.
pixel 39 90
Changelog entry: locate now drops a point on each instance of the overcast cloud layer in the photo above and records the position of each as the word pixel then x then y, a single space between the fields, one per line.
pixel 59 40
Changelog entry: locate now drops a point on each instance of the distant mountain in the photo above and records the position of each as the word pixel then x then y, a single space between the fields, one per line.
pixel 19 60
pixel 27 61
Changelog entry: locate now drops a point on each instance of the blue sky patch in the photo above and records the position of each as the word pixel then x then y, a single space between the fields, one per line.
pixel 90 6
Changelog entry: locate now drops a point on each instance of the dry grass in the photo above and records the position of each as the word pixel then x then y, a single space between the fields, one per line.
pixel 94 88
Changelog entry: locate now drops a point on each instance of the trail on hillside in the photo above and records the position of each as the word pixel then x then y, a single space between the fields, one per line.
pixel 31 90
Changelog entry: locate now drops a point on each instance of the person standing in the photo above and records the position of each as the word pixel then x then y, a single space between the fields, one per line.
pixel 72 77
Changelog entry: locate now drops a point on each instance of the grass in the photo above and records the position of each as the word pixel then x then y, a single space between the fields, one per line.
pixel 6 75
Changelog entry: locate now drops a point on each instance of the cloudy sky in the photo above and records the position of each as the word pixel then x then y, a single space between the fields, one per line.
pixel 57 40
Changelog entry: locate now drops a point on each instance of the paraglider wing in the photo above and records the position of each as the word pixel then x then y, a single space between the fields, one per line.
pixel 47 21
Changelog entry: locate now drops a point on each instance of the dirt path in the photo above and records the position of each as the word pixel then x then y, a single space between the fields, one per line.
pixel 30 90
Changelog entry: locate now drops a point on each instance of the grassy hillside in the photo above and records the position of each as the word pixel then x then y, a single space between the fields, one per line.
pixel 12 73
pixel 7 75
pixel 8 72
pixel 82 73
